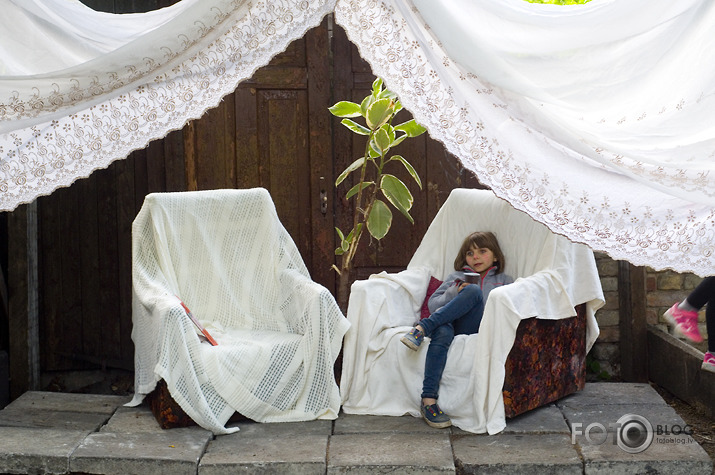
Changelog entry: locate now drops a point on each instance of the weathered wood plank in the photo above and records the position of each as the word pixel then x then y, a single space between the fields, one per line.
pixel 214 154
pixel 118 338
pixel 175 166
pixel 247 160
pixel 155 168
pixel 70 313
pixel 632 322
pixel 108 261
pixel 285 159
pixel 91 309
pixel 23 297
pixel 317 45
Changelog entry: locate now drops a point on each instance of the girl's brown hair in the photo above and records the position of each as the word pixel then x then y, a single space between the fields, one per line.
pixel 480 240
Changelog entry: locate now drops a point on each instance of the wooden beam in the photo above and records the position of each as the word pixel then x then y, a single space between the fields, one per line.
pixel 4 304
pixel 23 297
pixel 633 326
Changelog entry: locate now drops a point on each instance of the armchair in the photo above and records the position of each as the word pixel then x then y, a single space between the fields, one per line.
pixel 553 276
pixel 227 256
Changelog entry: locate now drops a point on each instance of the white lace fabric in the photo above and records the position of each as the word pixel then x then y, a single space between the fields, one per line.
pixel 226 255
pixel 594 119
pixel 92 87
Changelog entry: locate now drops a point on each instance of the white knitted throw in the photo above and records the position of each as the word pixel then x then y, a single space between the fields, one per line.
pixel 226 254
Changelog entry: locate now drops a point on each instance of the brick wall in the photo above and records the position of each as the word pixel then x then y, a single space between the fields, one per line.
pixel 663 288
pixel 605 351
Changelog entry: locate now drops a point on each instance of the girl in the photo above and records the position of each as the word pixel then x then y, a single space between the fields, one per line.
pixel 456 308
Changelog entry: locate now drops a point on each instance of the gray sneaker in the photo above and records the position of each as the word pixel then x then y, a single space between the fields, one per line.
pixel 434 416
pixel 413 339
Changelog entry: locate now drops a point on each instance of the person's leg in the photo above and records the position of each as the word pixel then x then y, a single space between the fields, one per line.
pixel 435 362
pixel 709 358
pixel 703 294
pixel 710 325
pixel 684 315
pixel 436 359
pixel 467 307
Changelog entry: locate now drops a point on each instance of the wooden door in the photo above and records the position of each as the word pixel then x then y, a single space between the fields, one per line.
pixel 273 132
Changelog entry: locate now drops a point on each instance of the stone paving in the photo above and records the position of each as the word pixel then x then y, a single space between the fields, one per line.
pixel 44 432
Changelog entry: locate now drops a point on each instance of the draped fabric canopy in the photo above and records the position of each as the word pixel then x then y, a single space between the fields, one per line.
pixel 594 119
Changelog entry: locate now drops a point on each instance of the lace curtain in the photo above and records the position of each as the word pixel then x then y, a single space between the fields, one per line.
pixel 80 89
pixel 594 119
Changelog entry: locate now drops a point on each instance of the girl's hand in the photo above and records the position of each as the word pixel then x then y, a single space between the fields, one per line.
pixel 461 286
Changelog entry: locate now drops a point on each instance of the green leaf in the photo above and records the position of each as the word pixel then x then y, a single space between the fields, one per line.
pixel 343 248
pixel 353 191
pixel 374 151
pixel 351 168
pixel 411 128
pixel 345 109
pixel 376 86
pixel 355 127
pixel 387 94
pixel 397 193
pixel 380 220
pixel 365 104
pixel 398 140
pixel 378 113
pixel 409 168
pixel 382 140
pixel 390 132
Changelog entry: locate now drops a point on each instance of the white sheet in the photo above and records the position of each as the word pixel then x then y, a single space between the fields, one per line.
pixel 381 376
pixel 228 257
pixel 594 119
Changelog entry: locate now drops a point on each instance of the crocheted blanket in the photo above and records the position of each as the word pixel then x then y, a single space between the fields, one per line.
pixel 228 257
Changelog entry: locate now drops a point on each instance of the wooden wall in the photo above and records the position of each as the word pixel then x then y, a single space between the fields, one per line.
pixel 274 131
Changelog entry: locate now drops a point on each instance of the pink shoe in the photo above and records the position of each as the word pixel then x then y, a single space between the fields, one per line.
pixel 685 323
pixel 709 361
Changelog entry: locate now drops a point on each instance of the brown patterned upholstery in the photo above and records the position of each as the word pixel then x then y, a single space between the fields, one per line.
pixel 546 363
pixel 169 414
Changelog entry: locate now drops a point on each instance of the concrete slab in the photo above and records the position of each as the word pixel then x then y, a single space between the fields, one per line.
pixel 613 393
pixel 133 419
pixel 608 415
pixel 391 453
pixel 174 451
pixel 543 420
pixel 674 455
pixel 16 416
pixel 516 453
pixel 282 429
pixel 27 450
pixel 69 402
pixel 290 455
pixel 359 424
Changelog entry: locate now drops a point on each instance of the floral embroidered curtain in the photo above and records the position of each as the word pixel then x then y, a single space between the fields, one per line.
pixel 594 119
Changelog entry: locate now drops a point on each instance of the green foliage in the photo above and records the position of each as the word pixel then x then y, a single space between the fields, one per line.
pixel 594 367
pixel 378 109
pixel 560 2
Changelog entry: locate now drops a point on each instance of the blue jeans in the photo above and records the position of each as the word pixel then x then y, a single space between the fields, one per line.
pixel 461 316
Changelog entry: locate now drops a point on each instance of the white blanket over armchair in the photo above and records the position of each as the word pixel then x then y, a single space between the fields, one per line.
pixel 381 376
pixel 228 257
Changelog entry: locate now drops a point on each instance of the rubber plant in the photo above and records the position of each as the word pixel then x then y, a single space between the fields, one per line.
pixel 375 188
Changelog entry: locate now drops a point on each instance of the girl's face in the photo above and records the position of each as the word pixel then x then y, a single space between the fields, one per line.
pixel 480 259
